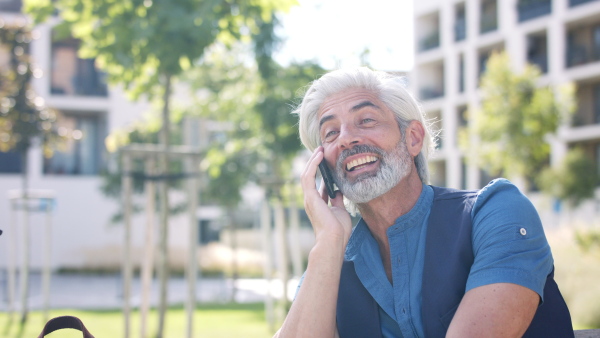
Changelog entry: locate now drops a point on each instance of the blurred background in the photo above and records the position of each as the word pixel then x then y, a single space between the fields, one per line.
pixel 149 162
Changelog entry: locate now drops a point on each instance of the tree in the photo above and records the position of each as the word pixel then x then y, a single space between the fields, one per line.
pixel 574 180
pixel 257 100
pixel 146 44
pixel 515 118
pixel 24 118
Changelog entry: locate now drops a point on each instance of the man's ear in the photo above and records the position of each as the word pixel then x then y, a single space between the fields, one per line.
pixel 415 134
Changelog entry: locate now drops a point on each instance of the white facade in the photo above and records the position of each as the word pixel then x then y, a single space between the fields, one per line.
pixel 82 232
pixel 453 39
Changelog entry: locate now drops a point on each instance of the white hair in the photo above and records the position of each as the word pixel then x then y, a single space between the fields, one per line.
pixel 390 89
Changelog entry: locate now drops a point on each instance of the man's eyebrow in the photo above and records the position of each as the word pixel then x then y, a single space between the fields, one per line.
pixel 325 119
pixel 353 109
pixel 364 104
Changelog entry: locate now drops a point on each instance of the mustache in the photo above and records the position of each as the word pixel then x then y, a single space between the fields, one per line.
pixel 359 149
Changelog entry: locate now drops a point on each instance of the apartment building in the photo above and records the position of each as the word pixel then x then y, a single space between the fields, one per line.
pixel 82 234
pixel 454 39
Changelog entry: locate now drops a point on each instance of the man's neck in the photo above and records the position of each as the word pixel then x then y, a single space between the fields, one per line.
pixel 381 213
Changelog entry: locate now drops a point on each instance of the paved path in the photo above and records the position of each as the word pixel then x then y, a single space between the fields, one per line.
pixel 105 291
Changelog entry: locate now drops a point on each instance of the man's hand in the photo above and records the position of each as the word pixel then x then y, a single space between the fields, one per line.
pixel 329 223
pixel 313 312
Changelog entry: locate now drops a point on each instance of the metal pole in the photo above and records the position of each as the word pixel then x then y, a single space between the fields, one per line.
pixel 265 225
pixel 12 238
pixel 148 264
pixel 47 258
pixel 127 187
pixel 282 254
pixel 295 249
pixel 24 281
pixel 192 166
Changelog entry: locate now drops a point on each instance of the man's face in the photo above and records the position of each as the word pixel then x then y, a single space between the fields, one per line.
pixel 362 142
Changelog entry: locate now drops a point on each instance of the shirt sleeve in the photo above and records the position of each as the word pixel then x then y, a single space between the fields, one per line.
pixel 509 243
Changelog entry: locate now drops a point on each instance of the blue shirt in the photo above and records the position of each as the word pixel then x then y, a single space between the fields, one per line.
pixel 509 246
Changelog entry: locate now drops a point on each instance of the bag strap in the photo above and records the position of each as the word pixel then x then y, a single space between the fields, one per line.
pixel 65 322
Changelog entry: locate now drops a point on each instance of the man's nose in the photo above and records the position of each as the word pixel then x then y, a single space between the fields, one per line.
pixel 348 137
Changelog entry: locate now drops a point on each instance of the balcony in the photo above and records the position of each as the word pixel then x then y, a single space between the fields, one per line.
pixel 460 23
pixel 488 20
pixel 588 107
pixel 83 152
pixel 583 45
pixel 427 30
pixel 429 93
pixel 72 75
pixel 537 51
pixel 531 9
pixel 460 30
pixel 430 41
pixel 573 3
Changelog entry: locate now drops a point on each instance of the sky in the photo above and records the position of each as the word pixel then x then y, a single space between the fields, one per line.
pixel 335 32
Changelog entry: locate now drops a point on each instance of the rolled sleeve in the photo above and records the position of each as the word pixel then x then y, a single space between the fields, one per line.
pixel 509 243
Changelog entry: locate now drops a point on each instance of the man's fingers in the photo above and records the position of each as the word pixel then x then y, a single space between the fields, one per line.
pixel 338 201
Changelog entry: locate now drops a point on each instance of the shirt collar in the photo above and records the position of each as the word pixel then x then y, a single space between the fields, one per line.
pixel 412 218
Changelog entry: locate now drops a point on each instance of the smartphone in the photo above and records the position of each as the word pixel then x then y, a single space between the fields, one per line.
pixel 327 178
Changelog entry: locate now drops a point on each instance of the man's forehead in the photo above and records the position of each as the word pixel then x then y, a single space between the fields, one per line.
pixel 350 100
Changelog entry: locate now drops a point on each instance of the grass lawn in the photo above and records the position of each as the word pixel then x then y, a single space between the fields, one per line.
pixel 210 321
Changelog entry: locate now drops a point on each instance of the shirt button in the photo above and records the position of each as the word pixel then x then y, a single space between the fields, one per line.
pixel 523 231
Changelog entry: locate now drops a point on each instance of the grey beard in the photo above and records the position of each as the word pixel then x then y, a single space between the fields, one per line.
pixel 393 167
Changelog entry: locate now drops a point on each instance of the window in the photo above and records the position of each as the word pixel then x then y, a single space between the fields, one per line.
pixel 596 97
pixel 10 6
pixel 573 3
pixel 537 51
pixel 531 9
pixel 428 32
pixel 488 20
pixel 461 73
pixel 10 162
pixel 83 153
pixel 460 23
pixel 71 75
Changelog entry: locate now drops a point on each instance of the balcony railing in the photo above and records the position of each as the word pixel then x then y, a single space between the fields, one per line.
pixel 429 42
pixel 573 3
pixel 582 54
pixel 530 9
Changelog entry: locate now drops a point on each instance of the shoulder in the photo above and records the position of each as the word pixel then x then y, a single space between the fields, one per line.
pixel 499 196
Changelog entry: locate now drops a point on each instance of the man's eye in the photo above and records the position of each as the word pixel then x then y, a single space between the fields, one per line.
pixel 367 120
pixel 330 134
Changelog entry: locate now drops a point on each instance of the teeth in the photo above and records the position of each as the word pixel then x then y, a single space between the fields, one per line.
pixel 360 161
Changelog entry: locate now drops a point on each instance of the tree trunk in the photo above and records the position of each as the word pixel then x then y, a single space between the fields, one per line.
pixel 163 166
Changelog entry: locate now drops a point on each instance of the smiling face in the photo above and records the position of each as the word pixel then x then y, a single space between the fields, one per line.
pixel 361 136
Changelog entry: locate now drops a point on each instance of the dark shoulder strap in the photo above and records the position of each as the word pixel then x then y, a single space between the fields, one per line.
pixel 357 312
pixel 65 322
pixel 448 258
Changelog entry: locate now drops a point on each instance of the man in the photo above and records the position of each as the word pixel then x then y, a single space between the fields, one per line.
pixel 423 261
